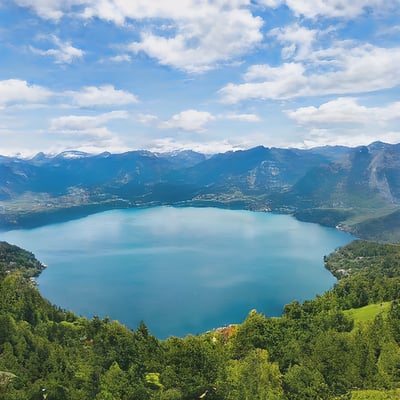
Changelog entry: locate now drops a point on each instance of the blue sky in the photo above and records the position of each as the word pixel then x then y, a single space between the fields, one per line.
pixel 208 75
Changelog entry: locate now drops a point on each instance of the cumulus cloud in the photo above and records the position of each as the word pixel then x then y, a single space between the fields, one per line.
pixel 118 11
pixel 331 137
pixel 193 120
pixel 49 9
pixel 351 70
pixel 204 40
pixel 19 91
pixel 189 120
pixel 275 83
pixel 334 8
pixel 200 35
pixel 105 95
pixel 85 125
pixel 361 69
pixel 297 40
pixel 344 111
pixel 64 53
pixel 345 121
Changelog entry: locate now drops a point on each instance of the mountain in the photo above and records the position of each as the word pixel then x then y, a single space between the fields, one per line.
pixel 367 175
pixel 332 152
pixel 58 175
pixel 256 170
pixel 385 228
pixel 363 185
pixel 15 177
pixel 184 158
pixel 328 185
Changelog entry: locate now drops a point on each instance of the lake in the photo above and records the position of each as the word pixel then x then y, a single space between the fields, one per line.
pixel 180 270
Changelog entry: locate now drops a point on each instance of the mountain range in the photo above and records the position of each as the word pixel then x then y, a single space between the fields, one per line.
pixel 355 189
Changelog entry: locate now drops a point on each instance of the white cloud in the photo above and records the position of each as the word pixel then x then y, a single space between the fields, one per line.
pixel 189 120
pixel 345 110
pixel 49 9
pixel 298 40
pixel 362 69
pixel 202 42
pixel 339 70
pixel 105 95
pixel 323 52
pixel 22 95
pixel 275 83
pixel 118 11
pixel 344 121
pixel 65 53
pixel 147 118
pixel 389 31
pixel 264 72
pixel 19 91
pixel 196 36
pixel 84 125
pixel 199 34
pixel 211 145
pixel 193 120
pixel 323 137
pixel 242 117
pixel 121 58
pixel 334 8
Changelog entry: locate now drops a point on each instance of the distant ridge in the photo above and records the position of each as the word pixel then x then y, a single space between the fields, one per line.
pixel 331 185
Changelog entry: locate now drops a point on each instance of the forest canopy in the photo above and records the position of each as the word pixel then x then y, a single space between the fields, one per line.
pixel 320 349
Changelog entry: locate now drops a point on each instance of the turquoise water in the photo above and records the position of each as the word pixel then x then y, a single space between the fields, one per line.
pixel 181 270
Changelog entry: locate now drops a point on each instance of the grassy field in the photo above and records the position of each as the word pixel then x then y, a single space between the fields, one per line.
pixel 369 312
pixel 375 395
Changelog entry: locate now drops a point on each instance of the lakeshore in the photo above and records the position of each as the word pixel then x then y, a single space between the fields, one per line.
pixel 182 270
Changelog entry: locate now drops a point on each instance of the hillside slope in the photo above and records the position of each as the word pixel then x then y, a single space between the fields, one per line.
pixel 313 351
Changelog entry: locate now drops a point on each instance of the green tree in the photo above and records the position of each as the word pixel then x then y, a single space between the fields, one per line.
pixel 251 334
pixel 253 378
pixel 304 382
pixel 114 384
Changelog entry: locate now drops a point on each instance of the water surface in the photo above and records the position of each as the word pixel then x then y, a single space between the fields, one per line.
pixel 181 270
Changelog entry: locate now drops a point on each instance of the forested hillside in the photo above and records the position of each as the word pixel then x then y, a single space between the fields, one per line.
pixel 317 350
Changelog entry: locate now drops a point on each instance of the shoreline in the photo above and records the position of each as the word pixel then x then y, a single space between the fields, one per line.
pixel 30 220
pixel 263 218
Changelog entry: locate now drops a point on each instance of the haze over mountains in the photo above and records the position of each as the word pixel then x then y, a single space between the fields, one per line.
pixel 355 188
